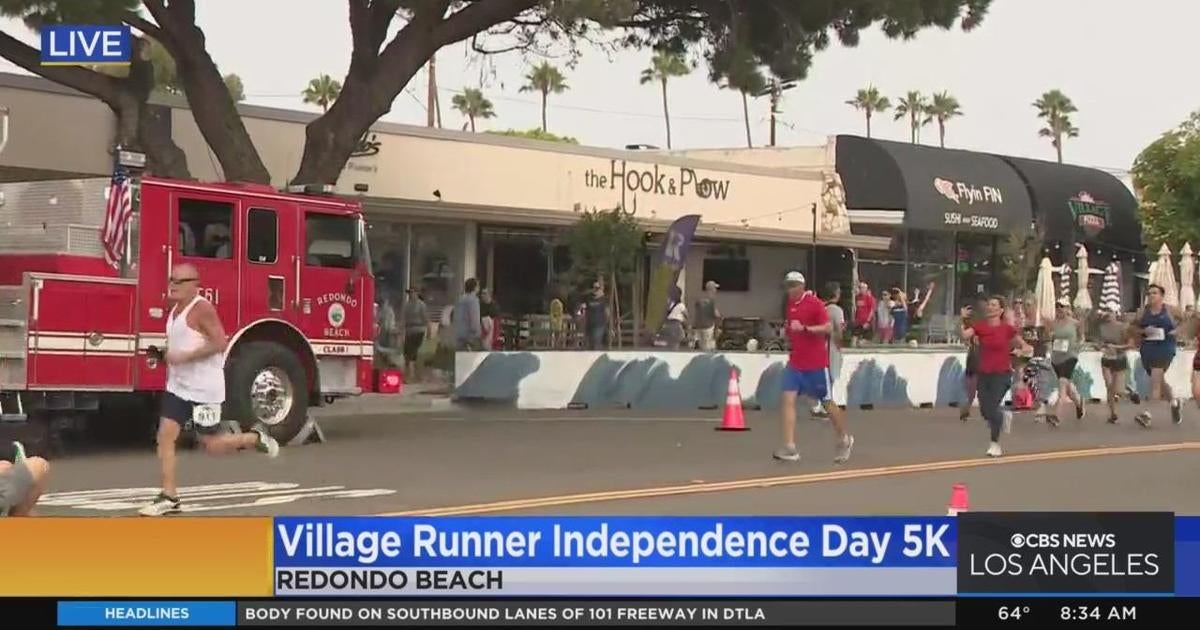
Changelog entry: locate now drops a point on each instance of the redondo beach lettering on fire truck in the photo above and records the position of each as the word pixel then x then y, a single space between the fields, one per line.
pixel 336 314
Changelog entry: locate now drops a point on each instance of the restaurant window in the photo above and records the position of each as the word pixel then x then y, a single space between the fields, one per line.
pixel 436 263
pixel 731 274
pixel 262 236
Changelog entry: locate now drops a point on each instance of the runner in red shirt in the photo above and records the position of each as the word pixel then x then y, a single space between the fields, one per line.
pixel 995 338
pixel 807 372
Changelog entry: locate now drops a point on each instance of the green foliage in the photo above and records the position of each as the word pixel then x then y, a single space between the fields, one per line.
pixel 870 101
pixel 663 66
pixel 942 108
pixel 604 244
pixel 1167 177
pixel 535 134
pixel 473 104
pixel 914 106
pixel 1055 108
pixel 322 91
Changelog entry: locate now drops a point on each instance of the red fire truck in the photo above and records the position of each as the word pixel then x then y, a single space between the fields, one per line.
pixel 289 274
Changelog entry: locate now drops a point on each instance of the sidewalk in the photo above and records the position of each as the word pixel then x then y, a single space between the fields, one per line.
pixel 415 399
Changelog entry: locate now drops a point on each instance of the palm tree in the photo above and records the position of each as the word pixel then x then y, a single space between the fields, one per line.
pixel 473 104
pixel 663 66
pixel 1056 108
pixel 943 107
pixel 745 77
pixel 869 101
pixel 546 79
pixel 916 108
pixel 322 91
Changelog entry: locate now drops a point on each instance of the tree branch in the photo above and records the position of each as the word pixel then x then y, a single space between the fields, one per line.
pixel 101 86
pixel 479 17
pixel 144 25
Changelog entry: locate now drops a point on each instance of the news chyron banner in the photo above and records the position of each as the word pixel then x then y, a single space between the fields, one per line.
pixel 539 571
pixel 621 556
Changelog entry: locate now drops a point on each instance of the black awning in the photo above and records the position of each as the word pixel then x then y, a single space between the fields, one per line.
pixel 938 189
pixel 1082 205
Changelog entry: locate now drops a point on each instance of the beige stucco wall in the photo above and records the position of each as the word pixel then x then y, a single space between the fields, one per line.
pixel 56 132
pixel 814 158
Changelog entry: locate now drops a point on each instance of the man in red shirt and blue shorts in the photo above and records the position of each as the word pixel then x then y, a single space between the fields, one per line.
pixel 807 372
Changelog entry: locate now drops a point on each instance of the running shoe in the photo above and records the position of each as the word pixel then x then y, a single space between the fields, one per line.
pixel 1176 412
pixel 266 444
pixel 1008 419
pixel 1134 397
pixel 162 505
pixel 18 452
pixel 845 445
pixel 1080 411
pixel 994 450
pixel 787 454
pixel 964 414
pixel 1113 419
pixel 1143 419
pixel 1052 420
pixel 819 413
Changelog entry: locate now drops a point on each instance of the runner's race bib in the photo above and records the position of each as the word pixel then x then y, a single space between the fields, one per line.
pixel 206 416
pixel 1154 333
pixel 1062 345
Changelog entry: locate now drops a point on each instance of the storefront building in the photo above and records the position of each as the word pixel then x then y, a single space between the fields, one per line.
pixel 967 220
pixel 445 206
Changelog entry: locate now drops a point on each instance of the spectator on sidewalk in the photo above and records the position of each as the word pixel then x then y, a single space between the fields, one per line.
pixel 708 317
pixel 864 312
pixel 595 318
pixel 416 325
pixel 468 327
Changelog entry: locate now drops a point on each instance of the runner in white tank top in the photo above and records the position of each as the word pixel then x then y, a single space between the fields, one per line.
pixel 195 363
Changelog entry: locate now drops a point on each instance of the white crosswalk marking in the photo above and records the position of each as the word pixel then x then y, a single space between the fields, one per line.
pixel 205 498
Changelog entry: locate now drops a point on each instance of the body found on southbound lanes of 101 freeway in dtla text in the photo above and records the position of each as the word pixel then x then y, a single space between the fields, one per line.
pixel 323 541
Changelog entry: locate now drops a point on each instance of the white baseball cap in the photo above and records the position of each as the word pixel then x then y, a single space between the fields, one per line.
pixel 793 277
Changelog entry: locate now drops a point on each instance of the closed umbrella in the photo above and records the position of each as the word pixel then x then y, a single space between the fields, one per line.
pixel 1110 291
pixel 1044 298
pixel 1083 298
pixel 1187 276
pixel 1163 274
pixel 1064 281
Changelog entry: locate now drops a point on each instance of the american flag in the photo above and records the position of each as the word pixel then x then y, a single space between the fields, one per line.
pixel 116 218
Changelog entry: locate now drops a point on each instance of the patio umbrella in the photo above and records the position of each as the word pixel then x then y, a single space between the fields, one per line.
pixel 1043 298
pixel 1083 298
pixel 1110 291
pixel 1163 274
pixel 1064 281
pixel 1187 276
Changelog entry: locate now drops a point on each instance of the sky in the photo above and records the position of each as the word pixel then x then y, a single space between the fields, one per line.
pixel 1126 65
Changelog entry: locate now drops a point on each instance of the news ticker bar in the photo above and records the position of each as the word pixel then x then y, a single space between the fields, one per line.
pixel 946 613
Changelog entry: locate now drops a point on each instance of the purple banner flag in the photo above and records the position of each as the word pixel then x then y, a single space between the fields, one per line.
pixel 671 260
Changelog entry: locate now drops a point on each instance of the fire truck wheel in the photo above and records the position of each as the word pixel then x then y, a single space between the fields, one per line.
pixel 267 384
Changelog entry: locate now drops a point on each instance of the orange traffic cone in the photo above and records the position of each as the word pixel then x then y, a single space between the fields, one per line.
pixel 959 500
pixel 734 419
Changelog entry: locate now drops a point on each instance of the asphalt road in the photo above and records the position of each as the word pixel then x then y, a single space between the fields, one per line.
pixel 623 462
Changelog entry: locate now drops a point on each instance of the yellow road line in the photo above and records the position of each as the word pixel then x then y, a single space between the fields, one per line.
pixel 789 480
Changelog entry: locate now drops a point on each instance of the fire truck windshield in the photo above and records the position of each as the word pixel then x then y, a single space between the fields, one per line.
pixel 335 241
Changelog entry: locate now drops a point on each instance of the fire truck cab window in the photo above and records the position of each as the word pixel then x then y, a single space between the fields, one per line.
pixel 262 236
pixel 331 241
pixel 205 228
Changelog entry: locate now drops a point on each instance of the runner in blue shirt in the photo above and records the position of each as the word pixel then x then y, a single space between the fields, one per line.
pixel 1156 327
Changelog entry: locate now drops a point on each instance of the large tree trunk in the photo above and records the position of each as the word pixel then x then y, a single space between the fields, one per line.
pixel 746 116
pixel 212 106
pixel 1058 147
pixel 942 133
pixel 666 112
